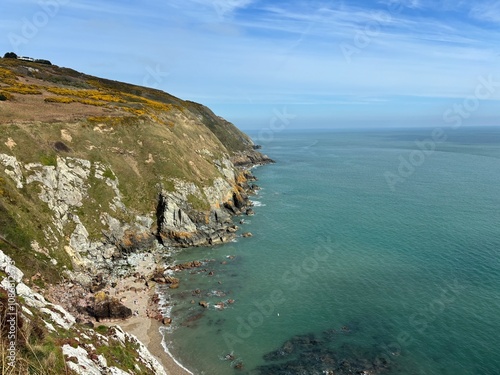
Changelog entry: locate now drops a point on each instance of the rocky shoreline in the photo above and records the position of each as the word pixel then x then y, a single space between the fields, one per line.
pixel 115 283
pixel 133 303
pixel 102 190
pixel 138 253
pixel 127 295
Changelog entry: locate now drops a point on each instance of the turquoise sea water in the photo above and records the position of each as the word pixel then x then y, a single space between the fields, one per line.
pixel 345 273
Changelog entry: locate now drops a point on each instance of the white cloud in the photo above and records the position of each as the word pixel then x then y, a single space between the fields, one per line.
pixel 227 7
pixel 221 8
pixel 488 11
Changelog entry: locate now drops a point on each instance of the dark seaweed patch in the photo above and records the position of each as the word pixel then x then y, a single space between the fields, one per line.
pixel 310 354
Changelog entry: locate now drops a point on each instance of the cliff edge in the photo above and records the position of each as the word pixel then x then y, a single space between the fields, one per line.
pixel 93 171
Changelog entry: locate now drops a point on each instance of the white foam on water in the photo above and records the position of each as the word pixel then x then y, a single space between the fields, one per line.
pixel 258 204
pixel 165 347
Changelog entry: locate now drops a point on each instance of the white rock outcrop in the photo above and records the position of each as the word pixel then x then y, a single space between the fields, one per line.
pixel 55 313
pixel 13 169
pixel 62 187
pixel 220 191
pixel 78 359
pixel 175 219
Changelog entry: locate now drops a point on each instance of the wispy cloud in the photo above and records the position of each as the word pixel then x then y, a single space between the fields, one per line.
pixel 221 9
pixel 227 7
pixel 244 55
pixel 488 11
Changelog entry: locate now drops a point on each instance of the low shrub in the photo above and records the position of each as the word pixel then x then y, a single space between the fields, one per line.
pixel 5 96
pixel 20 88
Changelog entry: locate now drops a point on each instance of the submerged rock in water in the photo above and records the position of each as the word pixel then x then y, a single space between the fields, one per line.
pixel 306 354
pixel 191 320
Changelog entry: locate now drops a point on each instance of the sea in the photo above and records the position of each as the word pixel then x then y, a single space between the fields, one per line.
pixel 373 252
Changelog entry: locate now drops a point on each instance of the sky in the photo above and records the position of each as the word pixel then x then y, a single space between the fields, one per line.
pixel 272 65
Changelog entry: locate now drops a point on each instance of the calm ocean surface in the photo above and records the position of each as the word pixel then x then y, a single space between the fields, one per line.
pixel 355 265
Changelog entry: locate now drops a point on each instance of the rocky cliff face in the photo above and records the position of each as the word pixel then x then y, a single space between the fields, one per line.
pixel 93 170
pixel 96 178
pixel 83 349
pixel 189 215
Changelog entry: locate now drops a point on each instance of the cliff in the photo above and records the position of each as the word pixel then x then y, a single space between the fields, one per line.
pixel 93 172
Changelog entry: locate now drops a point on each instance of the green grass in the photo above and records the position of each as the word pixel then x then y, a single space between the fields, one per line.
pixel 103 330
pixel 124 358
pixel 97 200
pixel 49 160
pixel 22 220
pixel 198 203
pixel 108 173
pixel 37 351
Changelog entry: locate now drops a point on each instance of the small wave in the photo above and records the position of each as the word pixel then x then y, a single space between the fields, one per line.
pixel 258 204
pixel 227 357
pixel 164 303
pixel 167 310
pixel 165 347
pixel 216 293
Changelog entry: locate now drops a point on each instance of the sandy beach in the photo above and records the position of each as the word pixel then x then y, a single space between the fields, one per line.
pixel 138 297
pixel 148 331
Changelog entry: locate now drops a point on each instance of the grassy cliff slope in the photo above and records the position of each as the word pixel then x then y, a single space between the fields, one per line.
pixel 93 171
pixel 127 144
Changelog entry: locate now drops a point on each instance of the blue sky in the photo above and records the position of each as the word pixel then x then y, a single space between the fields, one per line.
pixel 295 64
